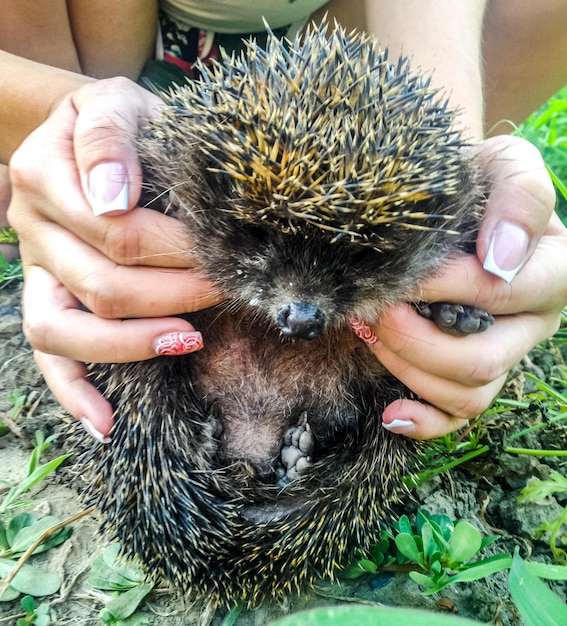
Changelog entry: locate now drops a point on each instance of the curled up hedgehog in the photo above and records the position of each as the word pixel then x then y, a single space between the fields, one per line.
pixel 319 183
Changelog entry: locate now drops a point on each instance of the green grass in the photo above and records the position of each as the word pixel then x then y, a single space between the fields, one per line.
pixel 547 130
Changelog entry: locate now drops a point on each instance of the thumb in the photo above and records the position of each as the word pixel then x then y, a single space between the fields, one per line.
pixel 108 117
pixel 519 207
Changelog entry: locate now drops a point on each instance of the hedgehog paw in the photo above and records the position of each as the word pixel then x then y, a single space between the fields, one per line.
pixel 456 319
pixel 295 458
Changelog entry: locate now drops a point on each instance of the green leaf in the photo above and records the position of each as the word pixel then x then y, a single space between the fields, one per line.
pixel 535 601
pixel 112 558
pixel 368 566
pixel 379 550
pixel 107 579
pixel 478 570
pixel 433 543
pixel 465 542
pixel 407 546
pixel 9 595
pixel 29 534
pixel 28 604
pixel 4 545
pixel 443 524
pixel 352 572
pixel 537 490
pixel 547 570
pixel 16 524
pixel 422 579
pixel 370 616
pixel 31 580
pixel 133 620
pixel 488 540
pixel 403 525
pixel 125 604
pixel 42 620
pixel 41 472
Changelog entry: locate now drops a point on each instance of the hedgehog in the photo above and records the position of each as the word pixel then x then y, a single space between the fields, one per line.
pixel 320 183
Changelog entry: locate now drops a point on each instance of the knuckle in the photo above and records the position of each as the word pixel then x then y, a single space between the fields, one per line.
pixel 121 244
pixel 102 298
pixel 102 115
pixel 39 333
pixel 471 404
pixel 489 366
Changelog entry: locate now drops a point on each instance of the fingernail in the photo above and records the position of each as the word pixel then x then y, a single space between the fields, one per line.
pixel 400 427
pixel 361 329
pixel 507 250
pixel 108 188
pixel 93 432
pixel 178 343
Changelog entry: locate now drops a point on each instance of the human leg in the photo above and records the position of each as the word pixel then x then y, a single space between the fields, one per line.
pixel 524 52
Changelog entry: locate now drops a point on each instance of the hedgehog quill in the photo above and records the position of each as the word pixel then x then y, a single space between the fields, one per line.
pixel 319 183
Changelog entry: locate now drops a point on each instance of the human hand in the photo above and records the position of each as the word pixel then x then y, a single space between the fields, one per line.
pixel 524 246
pixel 74 182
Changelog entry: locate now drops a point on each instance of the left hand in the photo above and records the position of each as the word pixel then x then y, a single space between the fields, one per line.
pixel 523 241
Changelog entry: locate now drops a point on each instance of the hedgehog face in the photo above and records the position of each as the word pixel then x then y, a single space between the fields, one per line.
pixel 305 282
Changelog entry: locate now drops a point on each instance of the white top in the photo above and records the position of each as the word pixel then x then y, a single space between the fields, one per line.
pixel 239 16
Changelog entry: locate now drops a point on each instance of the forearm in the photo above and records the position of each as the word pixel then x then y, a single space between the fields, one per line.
pixel 98 39
pixel 30 93
pixel 442 36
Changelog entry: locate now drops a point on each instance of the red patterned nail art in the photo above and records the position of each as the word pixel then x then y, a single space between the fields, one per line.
pixel 175 344
pixel 361 329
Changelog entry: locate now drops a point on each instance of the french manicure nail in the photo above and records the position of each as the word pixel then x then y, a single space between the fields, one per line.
pixel 507 250
pixel 108 188
pixel 400 426
pixel 93 432
pixel 178 343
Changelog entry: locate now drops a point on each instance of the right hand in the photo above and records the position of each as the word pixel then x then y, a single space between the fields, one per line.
pixel 128 267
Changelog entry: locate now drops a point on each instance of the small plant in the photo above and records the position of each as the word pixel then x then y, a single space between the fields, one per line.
pixel 439 547
pixel 537 490
pixel 19 533
pixel 35 474
pixel 19 402
pixel 9 271
pixel 536 604
pixel 127 582
pixel 547 129
pixel 439 552
pixel 435 545
pixel 35 615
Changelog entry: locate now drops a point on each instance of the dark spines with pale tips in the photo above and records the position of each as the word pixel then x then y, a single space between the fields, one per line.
pixel 318 181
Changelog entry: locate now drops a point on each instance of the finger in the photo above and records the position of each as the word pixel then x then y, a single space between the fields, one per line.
pixel 537 287
pixel 141 237
pixel 418 420
pixel 520 203
pixel 67 380
pixel 115 291
pixel 472 361
pixel 105 135
pixel 53 324
pixel 453 397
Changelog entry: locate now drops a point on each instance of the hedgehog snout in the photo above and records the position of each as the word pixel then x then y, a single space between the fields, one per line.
pixel 301 319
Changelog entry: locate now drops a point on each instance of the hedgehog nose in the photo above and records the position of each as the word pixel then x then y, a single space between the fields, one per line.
pixel 301 319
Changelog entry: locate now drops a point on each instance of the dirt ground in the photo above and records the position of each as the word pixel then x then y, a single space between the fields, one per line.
pixel 483 492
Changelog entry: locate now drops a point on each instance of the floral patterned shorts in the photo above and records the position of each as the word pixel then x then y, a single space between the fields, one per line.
pixel 182 47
